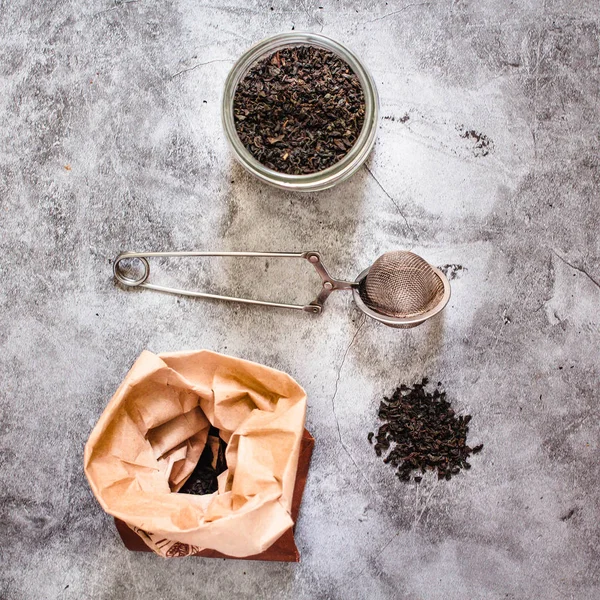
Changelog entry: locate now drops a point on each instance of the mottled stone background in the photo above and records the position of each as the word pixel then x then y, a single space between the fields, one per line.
pixel 110 139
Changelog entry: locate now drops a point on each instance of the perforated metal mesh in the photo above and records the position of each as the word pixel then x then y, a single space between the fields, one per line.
pixel 401 284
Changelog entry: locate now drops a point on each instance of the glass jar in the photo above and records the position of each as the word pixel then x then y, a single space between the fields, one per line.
pixel 326 178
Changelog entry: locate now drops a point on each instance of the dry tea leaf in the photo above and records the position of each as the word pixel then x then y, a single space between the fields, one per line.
pixel 313 95
pixel 422 432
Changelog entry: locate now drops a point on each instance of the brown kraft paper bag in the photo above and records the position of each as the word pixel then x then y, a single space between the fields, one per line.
pixel 152 433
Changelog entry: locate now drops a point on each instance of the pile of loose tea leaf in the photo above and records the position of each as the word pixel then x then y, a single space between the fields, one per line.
pixel 211 464
pixel 422 432
pixel 299 110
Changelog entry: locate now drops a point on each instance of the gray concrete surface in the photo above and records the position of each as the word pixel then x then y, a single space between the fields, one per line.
pixel 110 139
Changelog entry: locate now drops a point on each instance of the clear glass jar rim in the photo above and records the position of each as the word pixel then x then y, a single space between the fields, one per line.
pixel 365 139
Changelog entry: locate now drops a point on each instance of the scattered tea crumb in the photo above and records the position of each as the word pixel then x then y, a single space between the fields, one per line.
pixel 403 119
pixel 422 432
pixel 483 144
pixel 452 271
pixel 299 110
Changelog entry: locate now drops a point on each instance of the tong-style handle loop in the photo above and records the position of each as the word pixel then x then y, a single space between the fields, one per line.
pixel 314 258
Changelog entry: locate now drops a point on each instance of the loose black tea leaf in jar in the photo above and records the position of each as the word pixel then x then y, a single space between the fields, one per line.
pixel 299 110
pixel 422 432
pixel 211 464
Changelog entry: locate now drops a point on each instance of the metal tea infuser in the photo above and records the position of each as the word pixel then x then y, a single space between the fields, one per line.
pixel 400 289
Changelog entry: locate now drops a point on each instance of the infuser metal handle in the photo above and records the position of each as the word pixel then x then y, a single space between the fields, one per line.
pixel 314 258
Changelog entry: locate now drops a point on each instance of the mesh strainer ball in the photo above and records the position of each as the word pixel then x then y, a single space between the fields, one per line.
pixel 401 284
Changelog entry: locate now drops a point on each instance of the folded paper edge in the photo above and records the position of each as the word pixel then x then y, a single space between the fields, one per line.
pixel 134 539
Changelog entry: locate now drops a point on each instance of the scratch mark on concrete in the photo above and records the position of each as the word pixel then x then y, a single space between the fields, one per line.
pixel 210 62
pixel 396 12
pixel 388 543
pixel 393 202
pixel 580 269
pixel 134 580
pixel 418 519
pixel 233 33
pixel 577 423
pixel 120 5
pixel 337 382
pixel 416 502
pixel 497 335
pixel 303 2
pixel 380 551
pixel 536 75
pixel 157 75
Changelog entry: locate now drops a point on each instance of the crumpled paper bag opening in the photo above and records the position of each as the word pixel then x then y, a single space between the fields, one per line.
pixel 152 433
